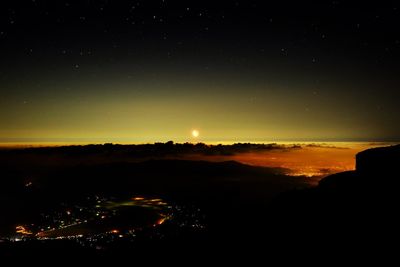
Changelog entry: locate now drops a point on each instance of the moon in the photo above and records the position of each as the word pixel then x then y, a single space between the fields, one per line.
pixel 195 133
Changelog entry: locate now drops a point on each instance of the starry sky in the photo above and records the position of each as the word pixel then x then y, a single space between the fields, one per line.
pixel 147 71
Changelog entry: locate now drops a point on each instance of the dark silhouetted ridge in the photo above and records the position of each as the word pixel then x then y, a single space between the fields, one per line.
pixel 378 161
pixel 346 211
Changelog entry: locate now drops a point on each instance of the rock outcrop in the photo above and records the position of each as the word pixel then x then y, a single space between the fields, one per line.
pixel 379 161
pixel 353 209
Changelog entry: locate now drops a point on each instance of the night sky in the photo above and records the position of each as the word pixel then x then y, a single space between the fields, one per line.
pixel 146 71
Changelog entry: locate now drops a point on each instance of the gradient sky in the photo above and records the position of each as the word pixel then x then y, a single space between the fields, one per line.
pixel 145 71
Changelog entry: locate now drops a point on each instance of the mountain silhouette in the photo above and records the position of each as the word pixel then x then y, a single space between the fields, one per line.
pixel 346 210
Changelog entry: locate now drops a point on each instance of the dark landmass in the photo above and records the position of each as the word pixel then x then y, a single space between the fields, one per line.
pixel 36 180
pixel 246 209
pixel 354 211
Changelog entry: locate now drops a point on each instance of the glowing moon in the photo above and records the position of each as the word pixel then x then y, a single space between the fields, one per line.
pixel 195 133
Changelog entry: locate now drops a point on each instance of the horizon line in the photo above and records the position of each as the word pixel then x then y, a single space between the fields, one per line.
pixel 184 140
pixel 42 143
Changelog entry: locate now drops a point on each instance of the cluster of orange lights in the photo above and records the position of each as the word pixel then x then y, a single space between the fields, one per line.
pixel 140 201
pixel 22 230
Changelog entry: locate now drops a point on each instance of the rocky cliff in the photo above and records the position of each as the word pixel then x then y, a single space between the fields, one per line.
pixel 378 161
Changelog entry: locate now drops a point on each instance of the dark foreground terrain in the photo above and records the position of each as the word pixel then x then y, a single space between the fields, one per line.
pixel 175 208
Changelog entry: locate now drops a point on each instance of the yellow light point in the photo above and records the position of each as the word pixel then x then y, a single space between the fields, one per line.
pixel 161 221
pixel 138 198
pixel 195 133
pixel 115 231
